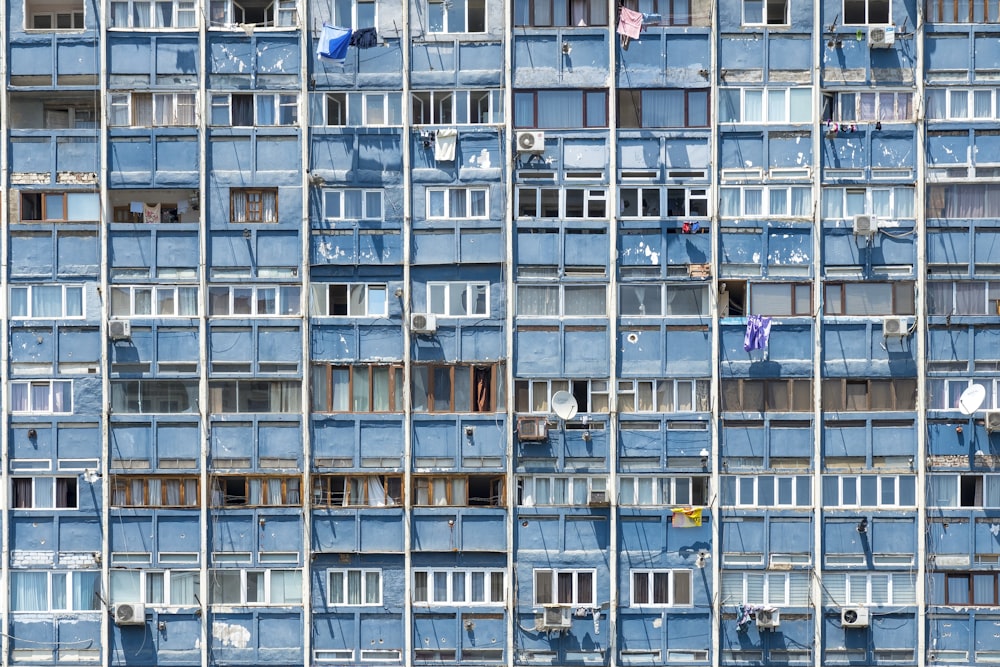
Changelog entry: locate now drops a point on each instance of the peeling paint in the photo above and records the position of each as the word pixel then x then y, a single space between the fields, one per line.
pixel 231 635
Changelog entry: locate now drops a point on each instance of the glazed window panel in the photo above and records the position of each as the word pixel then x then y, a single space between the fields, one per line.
pixel 869 299
pixel 766 395
pixel 150 491
pixel 253 205
pixel 457 388
pixel 360 388
pixel 574 588
pixel 350 300
pixel 661 588
pixel 252 396
pixel 358 490
pixel 355 587
pixel 560 109
pixel 560 13
pixel 244 491
pixel 458 491
pixel 846 394
pixel 642 108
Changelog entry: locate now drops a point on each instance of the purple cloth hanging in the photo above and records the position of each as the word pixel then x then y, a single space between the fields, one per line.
pixel 758 331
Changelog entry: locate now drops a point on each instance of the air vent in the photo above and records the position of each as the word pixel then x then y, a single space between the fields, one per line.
pixel 130 614
pixel 530 142
pixel 532 429
pixel 554 617
pixel 598 498
pixel 854 617
pixel 423 323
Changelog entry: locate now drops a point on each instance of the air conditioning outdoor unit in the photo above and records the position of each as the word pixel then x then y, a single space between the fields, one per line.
pixel 991 419
pixel 423 323
pixel 120 330
pixel 882 36
pixel 854 617
pixel 130 614
pixel 865 225
pixel 555 617
pixel 530 142
pixel 768 619
pixel 532 429
pixel 895 327
pixel 598 498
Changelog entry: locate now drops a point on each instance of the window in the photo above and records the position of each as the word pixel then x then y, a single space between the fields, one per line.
pixel 148 301
pixel 249 110
pixel 960 11
pixel 890 588
pixel 364 109
pixel 458 491
pixel 773 105
pixel 562 203
pixel 848 394
pixel 46 301
pixel 59 15
pixel 779 589
pixel 248 205
pixel 671 12
pixel 766 395
pixel 149 14
pixel 154 396
pixel 662 108
pixel 642 300
pixel 458 16
pixel 886 203
pixel 250 396
pixel 545 490
pixel 662 588
pixel 154 491
pixel 42 397
pixel 349 300
pixel 352 205
pixel 868 299
pixel 562 301
pixel 457 387
pixel 359 388
pixel 947 297
pixel 358 490
pixel 255 587
pixel 152 109
pixel 944 394
pixel 861 12
pixel 454 203
pixel 462 587
pixel 663 396
pixel 765 12
pixel 761 201
pixel 44 493
pixel 243 491
pixel 574 588
pixel 78 590
pixel 60 206
pixel 648 491
pixel 166 588
pixel 555 109
pixel 648 202
pixel 869 491
pixel 868 106
pixel 532 396
pixel 262 300
pixel 781 299
pixel 966 490
pixel 967 200
pixel 355 587
pixel 354 14
pixel 560 13
pixel 260 13
pixel 970 589
pixel 458 299
pixel 450 107
pixel 767 491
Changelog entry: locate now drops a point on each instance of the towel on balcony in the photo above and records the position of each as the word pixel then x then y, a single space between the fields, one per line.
pixel 151 213
pixel 629 23
pixel 444 144
pixel 758 331
pixel 333 42
pixel 686 517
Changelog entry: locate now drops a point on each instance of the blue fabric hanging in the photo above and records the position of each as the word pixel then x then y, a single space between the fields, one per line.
pixel 333 42
pixel 758 331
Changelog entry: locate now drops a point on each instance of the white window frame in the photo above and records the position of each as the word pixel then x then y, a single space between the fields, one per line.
pixel 244 573
pixel 74 12
pixel 594 202
pixel 575 597
pixel 469 290
pixel 154 294
pixel 49 409
pixel 852 583
pixel 43 498
pixel 886 106
pixel 843 212
pixel 763 9
pixel 354 21
pixel 775 588
pixel 598 392
pixel 773 101
pixel 561 305
pixel 123 104
pixel 65 291
pixel 846 481
pixel 956 479
pixel 945 109
pixel 372 204
pixel 52 579
pixel 362 593
pixel 667 291
pixel 576 490
pixel 286 303
pixel 655 388
pixel 320 299
pixel 754 482
pixel 145 580
pixel 281 13
pixel 466 577
pixel 436 107
pixel 345 101
pixel 990 298
pixel 468 195
pixel 868 20
pixel 649 575
pixel 445 17
pixel 279 101
pixel 179 9
pixel 664 490
pixel 741 201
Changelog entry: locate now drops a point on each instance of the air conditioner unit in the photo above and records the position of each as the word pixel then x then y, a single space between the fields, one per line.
pixel 598 498
pixel 532 429
pixel 530 142
pixel 865 225
pixel 768 619
pixel 555 617
pixel 895 327
pixel 423 323
pixel 882 36
pixel 130 614
pixel 854 617
pixel 991 420
pixel 120 330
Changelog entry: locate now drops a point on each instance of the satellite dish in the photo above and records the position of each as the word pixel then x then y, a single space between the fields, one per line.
pixel 564 405
pixel 972 399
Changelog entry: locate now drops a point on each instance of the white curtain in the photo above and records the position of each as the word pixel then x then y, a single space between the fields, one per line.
pixel 86 586
pixel 753 106
pixel 376 492
pixel 29 591
pixel 140 14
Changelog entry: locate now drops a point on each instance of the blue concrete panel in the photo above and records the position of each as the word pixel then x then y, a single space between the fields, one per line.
pixel 77 154
pixel 76 57
pixel 280 533
pixel 847 150
pixel 484 531
pixel 31 255
pixel 741 150
pixel 948 149
pixel 949 246
pixel 738 52
pixel 843 342
pixel 435 438
pixel 31 155
pixel 789 536
pixel 334 439
pixel 279 345
pixel 177 56
pixel 77 254
pixel 947 52
pixel 334 531
pixel 641 352
pixel 792 150
pixel 789 247
pixel 893 439
pixel 478 63
pixel 744 441
pixel 687 55
pixel 431 530
pixel 277 153
pixel 81 533
pixel 231 345
pixel 133 156
pixel 33 533
pixel 845 440
pixel 986 147
pixel 80 347
pixel 31 58
pixel 539 247
pixel 742 535
pixel 381 532
pixel 537 353
pixel 790 439
pixel 379 153
pixel 586 247
pixel 841 536
pixel 177 534
pixel 233 532
pixel 277 54
pixel 687 152
pixel 133 249
pixel 985 242
pixel 688 352
pixel 231 250
pixel 177 155
pixel 280 441
pixel 687 442
pixel 232 440
pixel 586 352
pixel 645 537
pixel 894 149
pixel 32 345
pixel 177 345
pixel 131 441
pixel 132 534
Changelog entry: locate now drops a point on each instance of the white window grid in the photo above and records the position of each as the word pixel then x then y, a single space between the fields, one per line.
pixel 867 12
pixel 249 300
pixel 869 106
pixel 965 490
pixel 562 300
pixel 962 103
pixel 458 203
pixel 534 396
pixel 584 203
pixel 257 587
pixel 766 202
pixel 977 297
pixel 764 12
pixel 45 493
pixel 46 301
pixel 888 202
pixel 459 586
pixel 153 109
pixel 786 490
pixel 847 490
pixel 154 301
pixel 765 105
pixel 41 397
pixel 943 394
pixel 457 107
pixel 873 589
pixel 269 109
pixel 574 588
pixel 355 14
pixel 780 589
pixel 353 205
pixel 161 588
pixel 648 490
pixel 362 299
pixel 458 299
pixel 654 396
pixel 144 14
pixel 64 591
pixel 355 587
pixel 441 20
pixel 229 13
pixel 648 584
pixel 556 490
pixel 658 300
pixel 376 109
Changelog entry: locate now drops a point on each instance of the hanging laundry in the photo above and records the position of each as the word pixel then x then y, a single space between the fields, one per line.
pixel 629 23
pixel 135 207
pixel 686 517
pixel 995 529
pixel 444 144
pixel 365 38
pixel 758 331
pixel 744 614
pixel 151 213
pixel 333 42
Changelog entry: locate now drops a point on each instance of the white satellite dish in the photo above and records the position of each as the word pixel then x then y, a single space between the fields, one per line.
pixel 564 405
pixel 972 399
